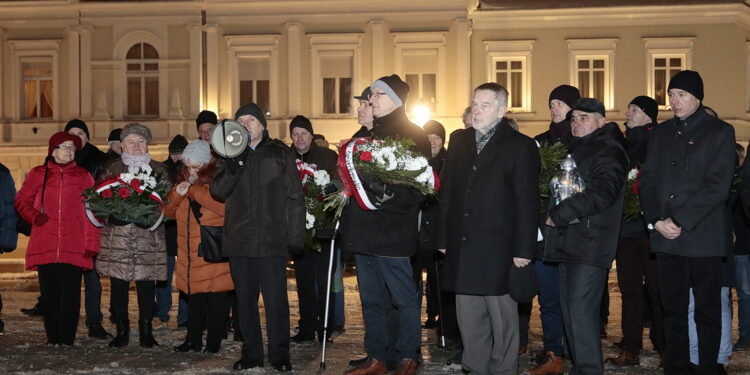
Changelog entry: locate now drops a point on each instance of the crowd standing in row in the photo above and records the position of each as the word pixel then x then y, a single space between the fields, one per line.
pixel 486 241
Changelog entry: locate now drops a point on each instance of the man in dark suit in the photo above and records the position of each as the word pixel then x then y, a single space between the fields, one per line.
pixel 684 188
pixel 489 211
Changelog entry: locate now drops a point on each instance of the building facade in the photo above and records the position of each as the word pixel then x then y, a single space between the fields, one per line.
pixel 162 62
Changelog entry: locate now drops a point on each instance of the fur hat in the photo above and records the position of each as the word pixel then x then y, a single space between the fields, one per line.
pixel 689 81
pixel 300 121
pixel 251 109
pixel 647 105
pixel 137 129
pixel 76 123
pixel 178 144
pixel 206 117
pixel 434 127
pixel 394 87
pixel 197 151
pixel 566 94
pixel 60 137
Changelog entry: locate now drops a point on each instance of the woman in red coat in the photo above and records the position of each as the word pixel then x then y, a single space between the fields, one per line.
pixel 206 284
pixel 63 240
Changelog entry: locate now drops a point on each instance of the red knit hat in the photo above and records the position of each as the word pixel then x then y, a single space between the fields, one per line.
pixel 61 137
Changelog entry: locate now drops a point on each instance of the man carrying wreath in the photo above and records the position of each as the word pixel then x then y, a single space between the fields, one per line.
pixel 383 241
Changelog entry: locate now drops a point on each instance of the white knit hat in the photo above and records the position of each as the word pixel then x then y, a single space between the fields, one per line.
pixel 197 151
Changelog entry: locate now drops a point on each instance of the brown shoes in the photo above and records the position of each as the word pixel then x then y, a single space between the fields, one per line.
pixel 550 365
pixel 407 366
pixel 625 358
pixel 372 367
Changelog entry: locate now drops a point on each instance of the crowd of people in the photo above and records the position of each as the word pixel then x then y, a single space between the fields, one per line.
pixel 490 240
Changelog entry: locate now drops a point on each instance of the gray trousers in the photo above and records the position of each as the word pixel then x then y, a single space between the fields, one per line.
pixel 489 331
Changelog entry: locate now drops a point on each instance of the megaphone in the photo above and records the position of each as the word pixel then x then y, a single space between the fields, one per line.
pixel 229 139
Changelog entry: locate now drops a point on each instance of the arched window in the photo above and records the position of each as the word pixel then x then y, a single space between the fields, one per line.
pixel 142 75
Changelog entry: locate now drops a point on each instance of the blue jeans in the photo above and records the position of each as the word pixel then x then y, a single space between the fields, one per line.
pixel 93 296
pixel 742 275
pixel 164 293
pixel 379 277
pixel 549 306
pixel 725 348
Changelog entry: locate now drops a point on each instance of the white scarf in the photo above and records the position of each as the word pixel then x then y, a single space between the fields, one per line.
pixel 137 162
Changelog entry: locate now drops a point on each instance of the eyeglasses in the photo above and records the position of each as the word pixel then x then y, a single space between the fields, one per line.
pixel 377 94
pixel 67 148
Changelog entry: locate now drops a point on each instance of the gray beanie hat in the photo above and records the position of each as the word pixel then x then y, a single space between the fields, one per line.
pixel 197 151
pixel 137 129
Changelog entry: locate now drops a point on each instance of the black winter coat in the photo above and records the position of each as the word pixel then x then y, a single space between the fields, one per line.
pixel 603 164
pixel 265 209
pixel 392 229
pixel 430 210
pixel 636 145
pixel 559 132
pixel 91 158
pixel 686 177
pixel 489 208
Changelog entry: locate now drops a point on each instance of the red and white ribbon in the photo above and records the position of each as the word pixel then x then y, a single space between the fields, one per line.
pixel 305 169
pixel 350 178
pixel 115 183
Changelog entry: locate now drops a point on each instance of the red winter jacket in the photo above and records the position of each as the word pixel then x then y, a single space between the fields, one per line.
pixel 68 233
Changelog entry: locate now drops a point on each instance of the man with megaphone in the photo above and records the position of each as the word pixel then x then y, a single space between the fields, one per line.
pixel 264 222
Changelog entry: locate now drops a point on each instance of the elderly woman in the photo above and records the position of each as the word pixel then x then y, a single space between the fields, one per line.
pixel 206 284
pixel 63 240
pixel 129 251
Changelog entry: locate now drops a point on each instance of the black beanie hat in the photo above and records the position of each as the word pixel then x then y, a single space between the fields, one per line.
pixel 689 81
pixel 300 121
pixel 588 105
pixel 394 87
pixel 647 105
pixel 206 117
pixel 566 94
pixel 251 109
pixel 434 127
pixel 178 144
pixel 114 135
pixel 76 123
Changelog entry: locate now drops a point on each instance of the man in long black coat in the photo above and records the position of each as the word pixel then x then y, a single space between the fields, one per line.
pixel 684 189
pixel 489 215
pixel 582 231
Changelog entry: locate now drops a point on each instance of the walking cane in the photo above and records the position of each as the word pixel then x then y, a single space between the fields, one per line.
pixel 441 337
pixel 328 300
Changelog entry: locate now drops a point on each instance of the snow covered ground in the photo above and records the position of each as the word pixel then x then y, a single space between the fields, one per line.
pixel 22 349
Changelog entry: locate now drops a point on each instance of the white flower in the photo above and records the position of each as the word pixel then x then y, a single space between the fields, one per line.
pixel 426 177
pixel 633 174
pixel 127 177
pixel 322 178
pixel 309 220
pixel 414 164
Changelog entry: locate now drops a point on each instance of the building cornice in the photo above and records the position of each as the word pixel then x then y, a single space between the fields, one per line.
pixel 611 16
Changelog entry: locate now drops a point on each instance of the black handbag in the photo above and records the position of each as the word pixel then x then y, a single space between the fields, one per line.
pixel 211 238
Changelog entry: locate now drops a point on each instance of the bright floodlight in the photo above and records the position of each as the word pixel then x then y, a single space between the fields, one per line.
pixel 421 114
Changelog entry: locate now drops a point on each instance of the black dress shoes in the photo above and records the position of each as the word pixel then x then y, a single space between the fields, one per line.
pixel 245 363
pixel 282 366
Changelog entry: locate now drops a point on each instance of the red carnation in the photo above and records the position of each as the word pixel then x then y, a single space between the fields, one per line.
pixel 107 194
pixel 635 187
pixel 321 197
pixel 135 183
pixel 123 192
pixel 365 156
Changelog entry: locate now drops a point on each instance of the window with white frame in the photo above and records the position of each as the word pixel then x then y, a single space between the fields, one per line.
pixel 142 74
pixel 38 88
pixel 420 73
pixel 255 81
pixel 509 63
pixel 592 68
pixel 336 82
pixel 664 58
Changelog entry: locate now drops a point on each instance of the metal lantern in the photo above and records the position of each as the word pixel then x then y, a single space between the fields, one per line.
pixel 567 181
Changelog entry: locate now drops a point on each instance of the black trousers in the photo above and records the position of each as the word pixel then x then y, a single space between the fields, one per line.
pixel 448 321
pixel 636 278
pixel 251 276
pixel 424 259
pixel 581 290
pixel 119 299
pixel 207 310
pixel 676 275
pixel 311 271
pixel 60 286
